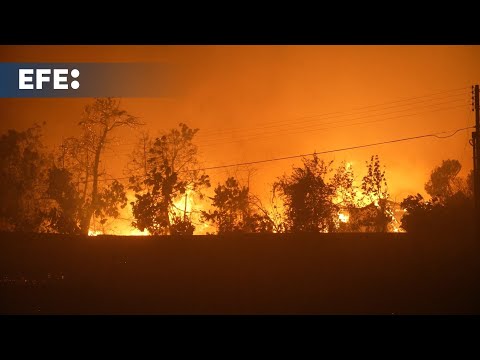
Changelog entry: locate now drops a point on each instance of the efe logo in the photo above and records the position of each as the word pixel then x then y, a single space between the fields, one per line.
pixel 60 78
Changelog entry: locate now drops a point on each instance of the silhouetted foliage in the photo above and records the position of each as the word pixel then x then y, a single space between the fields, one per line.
pixel 268 219
pixel 346 198
pixel 139 165
pixel 23 164
pixel 181 225
pixel 258 223
pixel 455 212
pixel 111 198
pixel 152 209
pixel 451 206
pixel 443 181
pixel 67 210
pixel 99 120
pixel 231 203
pixel 63 216
pixel 64 192
pixel 81 157
pixel 343 182
pixel 171 175
pixel 375 191
pixel 308 198
pixel 233 210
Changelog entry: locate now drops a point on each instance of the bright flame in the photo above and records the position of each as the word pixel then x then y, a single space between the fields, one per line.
pixel 128 231
pixel 343 217
pixel 136 232
pixel 122 225
pixel 397 229
pixel 179 207
pixel 191 209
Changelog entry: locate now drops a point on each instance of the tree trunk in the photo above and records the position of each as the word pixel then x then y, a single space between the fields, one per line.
pixel 87 177
pixel 85 225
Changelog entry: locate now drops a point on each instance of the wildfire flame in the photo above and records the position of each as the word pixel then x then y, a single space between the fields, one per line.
pixel 180 208
pixel 188 205
pixel 136 232
pixel 343 217
pixel 125 231
pixel 121 225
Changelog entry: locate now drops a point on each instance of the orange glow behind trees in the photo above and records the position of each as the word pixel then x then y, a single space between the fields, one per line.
pixel 260 102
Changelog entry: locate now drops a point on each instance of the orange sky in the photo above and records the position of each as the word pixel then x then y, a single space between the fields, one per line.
pixel 272 95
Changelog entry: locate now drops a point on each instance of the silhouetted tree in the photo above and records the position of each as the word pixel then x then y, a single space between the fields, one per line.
pixel 443 181
pixel 153 208
pixel 451 206
pixel 172 173
pixel 82 156
pixel 455 213
pixel 23 164
pixel 343 182
pixel 231 203
pixel 110 199
pixel 308 198
pixel 64 214
pixel 179 225
pixel 346 197
pixel 375 191
pixel 271 217
pixel 139 165
pixel 233 210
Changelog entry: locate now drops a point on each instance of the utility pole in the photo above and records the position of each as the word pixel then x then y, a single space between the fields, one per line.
pixel 63 153
pixel 476 152
pixel 185 210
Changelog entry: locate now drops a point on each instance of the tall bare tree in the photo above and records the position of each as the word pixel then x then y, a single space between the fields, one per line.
pixel 82 156
pixel 139 165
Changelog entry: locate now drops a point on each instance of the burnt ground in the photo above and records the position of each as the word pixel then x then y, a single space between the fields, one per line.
pixel 244 274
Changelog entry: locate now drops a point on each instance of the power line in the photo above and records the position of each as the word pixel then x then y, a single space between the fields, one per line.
pixel 455 133
pixel 435 135
pixel 209 133
pixel 310 129
pixel 313 128
pixel 325 116
pixel 374 105
pixel 346 120
pixel 417 97
pixel 355 110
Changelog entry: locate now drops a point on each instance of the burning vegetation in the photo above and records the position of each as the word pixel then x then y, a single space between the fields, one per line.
pixel 166 191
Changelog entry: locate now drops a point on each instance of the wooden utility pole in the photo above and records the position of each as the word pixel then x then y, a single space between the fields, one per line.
pixel 64 150
pixel 185 210
pixel 476 153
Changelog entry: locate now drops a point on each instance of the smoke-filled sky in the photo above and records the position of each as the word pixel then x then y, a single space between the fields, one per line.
pixel 258 102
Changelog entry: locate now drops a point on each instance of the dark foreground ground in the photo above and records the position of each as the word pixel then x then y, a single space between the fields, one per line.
pixel 251 274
